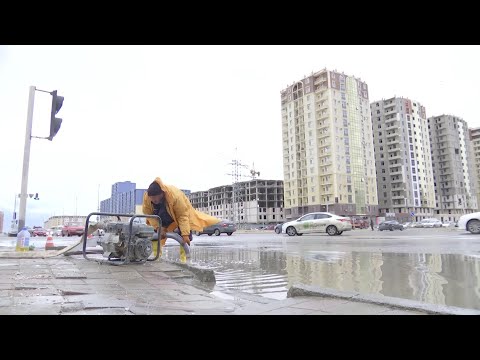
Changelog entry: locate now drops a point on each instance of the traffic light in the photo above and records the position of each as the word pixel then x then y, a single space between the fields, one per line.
pixel 55 123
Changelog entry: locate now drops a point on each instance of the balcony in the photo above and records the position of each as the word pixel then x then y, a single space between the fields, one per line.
pixel 393 149
pixel 322 114
pixel 320 80
pixel 323 126
pixel 390 110
pixel 394 141
pixel 322 105
pixel 394 181
pixel 394 173
pixel 324 135
pixel 319 88
pixel 395 157
pixel 391 120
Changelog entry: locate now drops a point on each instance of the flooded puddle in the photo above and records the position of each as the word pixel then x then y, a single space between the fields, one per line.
pixel 446 279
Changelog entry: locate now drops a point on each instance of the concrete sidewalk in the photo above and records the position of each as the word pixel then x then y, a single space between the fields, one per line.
pixel 71 285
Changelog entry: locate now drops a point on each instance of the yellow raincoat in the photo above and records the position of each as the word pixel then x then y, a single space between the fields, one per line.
pixel 180 209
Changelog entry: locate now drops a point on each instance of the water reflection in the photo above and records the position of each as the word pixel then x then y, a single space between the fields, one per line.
pixel 447 279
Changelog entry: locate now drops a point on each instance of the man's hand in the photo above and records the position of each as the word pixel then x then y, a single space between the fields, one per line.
pixel 162 234
pixel 186 239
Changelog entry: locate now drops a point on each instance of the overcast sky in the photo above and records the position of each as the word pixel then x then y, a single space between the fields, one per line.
pixel 183 113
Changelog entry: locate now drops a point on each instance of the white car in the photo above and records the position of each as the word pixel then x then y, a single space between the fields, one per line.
pixel 431 223
pixel 318 222
pixel 470 222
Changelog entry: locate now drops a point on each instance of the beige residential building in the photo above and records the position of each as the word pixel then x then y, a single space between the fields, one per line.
pixel 453 167
pixel 328 152
pixel 403 160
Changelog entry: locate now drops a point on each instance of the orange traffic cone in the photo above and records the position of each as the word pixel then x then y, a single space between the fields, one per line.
pixel 49 244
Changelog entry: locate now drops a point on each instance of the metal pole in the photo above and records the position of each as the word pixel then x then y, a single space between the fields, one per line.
pixel 15 216
pixel 26 159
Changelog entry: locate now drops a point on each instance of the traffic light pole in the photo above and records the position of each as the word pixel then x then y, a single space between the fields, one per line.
pixel 26 159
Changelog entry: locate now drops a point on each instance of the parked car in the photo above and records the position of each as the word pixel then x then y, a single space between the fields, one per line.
pixel 431 223
pixel 73 228
pixel 390 225
pixel 361 224
pixel 470 222
pixel 225 226
pixel 318 222
pixel 39 231
pixel 56 230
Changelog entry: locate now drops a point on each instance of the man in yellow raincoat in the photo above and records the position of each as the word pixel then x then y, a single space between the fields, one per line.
pixel 175 210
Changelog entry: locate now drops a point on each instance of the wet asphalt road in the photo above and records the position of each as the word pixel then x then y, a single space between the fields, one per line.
pixel 440 266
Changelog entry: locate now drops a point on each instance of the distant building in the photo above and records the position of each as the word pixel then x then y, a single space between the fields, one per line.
pixel 328 152
pixel 475 152
pixel 248 202
pixel 403 159
pixel 453 163
pixel 1 221
pixel 124 199
pixel 62 220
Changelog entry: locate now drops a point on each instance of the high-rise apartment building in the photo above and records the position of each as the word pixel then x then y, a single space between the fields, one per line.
pixel 403 160
pixel 475 148
pixel 453 167
pixel 328 152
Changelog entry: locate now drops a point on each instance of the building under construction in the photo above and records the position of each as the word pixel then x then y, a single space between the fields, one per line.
pixel 246 203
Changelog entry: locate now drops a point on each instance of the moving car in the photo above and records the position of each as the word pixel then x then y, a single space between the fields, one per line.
pixel 38 231
pixel 470 222
pixel 390 225
pixel 73 228
pixel 318 222
pixel 225 226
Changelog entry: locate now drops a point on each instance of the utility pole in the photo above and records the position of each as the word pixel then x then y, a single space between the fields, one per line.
pixel 98 203
pixel 26 159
